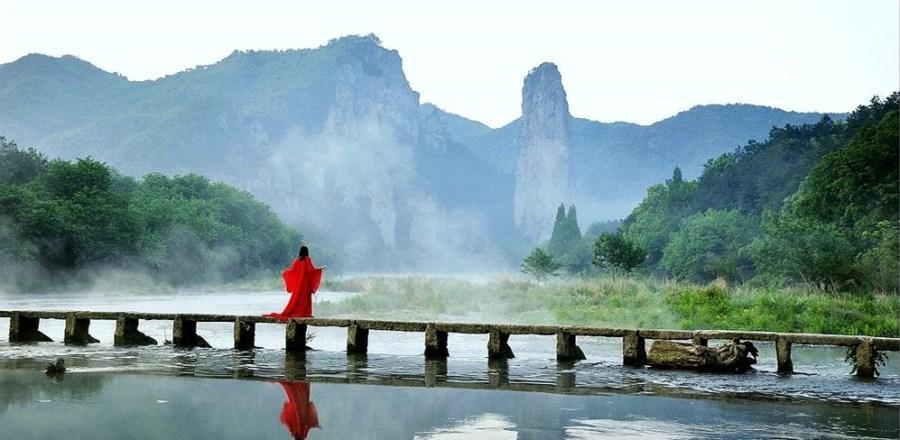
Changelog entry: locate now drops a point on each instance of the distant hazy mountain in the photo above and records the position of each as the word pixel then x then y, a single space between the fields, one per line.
pixel 340 145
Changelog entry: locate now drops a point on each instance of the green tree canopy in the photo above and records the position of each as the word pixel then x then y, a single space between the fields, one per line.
pixel 659 215
pixel 709 245
pixel 566 232
pixel 19 166
pixel 62 217
pixel 539 264
pixel 615 251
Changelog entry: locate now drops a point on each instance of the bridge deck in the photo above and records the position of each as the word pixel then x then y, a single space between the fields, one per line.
pixel 880 343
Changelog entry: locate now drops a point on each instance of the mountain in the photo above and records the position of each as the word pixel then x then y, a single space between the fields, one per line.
pixel 542 166
pixel 336 141
pixel 815 204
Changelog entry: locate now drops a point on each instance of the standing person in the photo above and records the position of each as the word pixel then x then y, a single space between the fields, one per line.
pixel 301 280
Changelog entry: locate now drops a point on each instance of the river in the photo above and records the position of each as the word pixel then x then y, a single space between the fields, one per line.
pixel 394 393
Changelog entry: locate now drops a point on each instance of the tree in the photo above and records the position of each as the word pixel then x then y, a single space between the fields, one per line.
pixel 709 245
pixel 677 179
pixel 659 215
pixel 539 264
pixel 565 243
pixel 572 229
pixel 840 227
pixel 63 217
pixel 858 181
pixel 802 249
pixel 19 166
pixel 557 244
pixel 615 251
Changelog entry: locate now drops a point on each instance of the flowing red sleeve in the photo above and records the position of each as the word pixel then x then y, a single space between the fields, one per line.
pixel 292 276
pixel 314 275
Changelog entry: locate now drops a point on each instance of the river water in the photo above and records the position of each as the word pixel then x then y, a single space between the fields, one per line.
pixel 394 393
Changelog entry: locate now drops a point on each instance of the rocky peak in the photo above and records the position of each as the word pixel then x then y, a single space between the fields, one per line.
pixel 545 109
pixel 370 87
pixel 542 168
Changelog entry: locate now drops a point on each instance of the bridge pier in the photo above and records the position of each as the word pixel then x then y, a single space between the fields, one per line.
pixel 498 346
pixel 295 337
pixel 783 356
pixel 77 331
pixel 357 339
pixel 435 343
pixel 244 334
pixel 864 361
pixel 127 333
pixel 633 352
pixel 25 329
pixel 184 333
pixel 698 339
pixel 566 349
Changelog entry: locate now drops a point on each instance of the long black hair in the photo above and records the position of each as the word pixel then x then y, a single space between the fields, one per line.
pixel 304 252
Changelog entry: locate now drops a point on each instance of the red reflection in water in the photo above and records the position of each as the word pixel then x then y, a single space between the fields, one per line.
pixel 298 414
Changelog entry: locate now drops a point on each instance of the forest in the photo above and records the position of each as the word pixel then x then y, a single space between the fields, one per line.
pixel 66 221
pixel 814 205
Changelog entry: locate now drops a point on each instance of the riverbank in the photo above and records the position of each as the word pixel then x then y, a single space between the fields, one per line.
pixel 629 302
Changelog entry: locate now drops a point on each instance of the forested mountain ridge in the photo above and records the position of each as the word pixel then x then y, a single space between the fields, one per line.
pixel 336 141
pixel 815 203
pixel 64 223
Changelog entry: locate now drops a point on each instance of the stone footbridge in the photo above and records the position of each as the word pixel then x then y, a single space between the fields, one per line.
pixel 25 327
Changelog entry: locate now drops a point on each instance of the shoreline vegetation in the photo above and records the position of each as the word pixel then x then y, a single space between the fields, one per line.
pixel 622 301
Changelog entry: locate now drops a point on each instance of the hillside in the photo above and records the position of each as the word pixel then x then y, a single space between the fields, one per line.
pixel 815 203
pixel 336 141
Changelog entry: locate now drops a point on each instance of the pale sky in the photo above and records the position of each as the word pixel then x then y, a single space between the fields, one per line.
pixel 635 60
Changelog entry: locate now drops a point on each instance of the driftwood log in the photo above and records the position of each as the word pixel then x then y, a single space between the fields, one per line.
pixel 735 357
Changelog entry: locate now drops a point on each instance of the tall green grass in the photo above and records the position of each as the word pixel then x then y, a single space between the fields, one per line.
pixel 627 302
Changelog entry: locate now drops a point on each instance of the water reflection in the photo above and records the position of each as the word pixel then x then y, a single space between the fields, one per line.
pixel 357 367
pixel 299 413
pixel 565 375
pixel 498 372
pixel 243 364
pixel 435 372
pixel 168 406
pixel 295 365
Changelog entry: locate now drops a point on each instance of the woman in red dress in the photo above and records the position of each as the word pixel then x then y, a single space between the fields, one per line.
pixel 301 280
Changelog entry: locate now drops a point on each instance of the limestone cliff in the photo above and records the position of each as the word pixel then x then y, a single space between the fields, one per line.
pixel 542 168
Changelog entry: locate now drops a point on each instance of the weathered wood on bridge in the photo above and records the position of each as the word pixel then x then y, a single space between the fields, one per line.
pixel 698 339
pixel 736 357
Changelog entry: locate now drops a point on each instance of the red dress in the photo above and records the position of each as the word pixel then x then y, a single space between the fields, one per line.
pixel 298 414
pixel 301 280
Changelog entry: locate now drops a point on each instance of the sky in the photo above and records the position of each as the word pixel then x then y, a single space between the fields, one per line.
pixel 637 60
